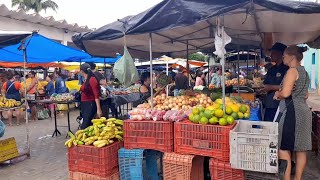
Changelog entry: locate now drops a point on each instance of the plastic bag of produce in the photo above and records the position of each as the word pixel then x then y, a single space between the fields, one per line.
pixel 125 70
pixel 2 128
pixel 137 117
pixel 255 114
pixel 157 115
pixel 137 111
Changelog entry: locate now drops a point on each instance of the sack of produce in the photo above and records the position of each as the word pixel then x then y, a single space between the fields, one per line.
pixel 2 128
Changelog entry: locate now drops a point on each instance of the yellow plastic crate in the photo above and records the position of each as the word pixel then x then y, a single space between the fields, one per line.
pixel 8 149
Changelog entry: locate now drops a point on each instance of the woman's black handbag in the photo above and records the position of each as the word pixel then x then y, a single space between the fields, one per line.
pixel 280 113
pixel 77 96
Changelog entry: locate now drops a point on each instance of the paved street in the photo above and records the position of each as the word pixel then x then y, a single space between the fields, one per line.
pixel 49 159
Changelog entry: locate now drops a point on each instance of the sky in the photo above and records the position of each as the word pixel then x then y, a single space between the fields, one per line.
pixel 95 13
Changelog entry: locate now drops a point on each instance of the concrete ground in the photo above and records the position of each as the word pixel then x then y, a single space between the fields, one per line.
pixel 48 159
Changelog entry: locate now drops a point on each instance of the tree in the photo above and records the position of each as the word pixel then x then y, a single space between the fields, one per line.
pixel 35 5
pixel 197 57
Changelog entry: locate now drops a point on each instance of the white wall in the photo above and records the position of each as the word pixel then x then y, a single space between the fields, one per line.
pixel 8 24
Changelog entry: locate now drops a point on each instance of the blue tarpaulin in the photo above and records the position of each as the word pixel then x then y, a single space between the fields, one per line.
pixel 41 50
pixel 99 60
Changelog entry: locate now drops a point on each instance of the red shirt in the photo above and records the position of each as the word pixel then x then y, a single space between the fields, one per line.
pixel 92 92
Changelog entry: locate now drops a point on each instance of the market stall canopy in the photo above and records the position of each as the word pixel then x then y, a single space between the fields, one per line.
pixel 8 38
pixel 29 65
pixel 100 60
pixel 176 23
pixel 40 49
pixel 177 61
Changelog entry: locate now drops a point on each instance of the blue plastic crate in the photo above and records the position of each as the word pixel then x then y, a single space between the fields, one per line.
pixel 140 164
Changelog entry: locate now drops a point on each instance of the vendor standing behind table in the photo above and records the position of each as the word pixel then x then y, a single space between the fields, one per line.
pixel 11 89
pixel 60 86
pixel 273 80
pixel 90 94
pixel 145 89
pixel 181 81
pixel 49 91
pixel 105 99
pixel 32 84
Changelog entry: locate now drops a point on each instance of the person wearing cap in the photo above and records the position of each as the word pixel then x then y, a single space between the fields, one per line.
pixel 273 80
pixel 90 96
pixel 181 81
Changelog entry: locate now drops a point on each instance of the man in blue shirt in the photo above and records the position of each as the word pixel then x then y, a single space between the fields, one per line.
pixel 273 80
pixel 60 86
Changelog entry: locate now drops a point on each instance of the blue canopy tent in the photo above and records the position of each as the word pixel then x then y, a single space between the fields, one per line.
pixel 98 60
pixel 40 49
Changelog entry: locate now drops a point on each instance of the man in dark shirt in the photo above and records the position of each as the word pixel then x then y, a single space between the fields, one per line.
pixel 181 81
pixel 97 74
pixel 273 80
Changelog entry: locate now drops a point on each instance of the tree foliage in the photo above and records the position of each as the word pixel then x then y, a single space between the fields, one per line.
pixel 197 57
pixel 35 5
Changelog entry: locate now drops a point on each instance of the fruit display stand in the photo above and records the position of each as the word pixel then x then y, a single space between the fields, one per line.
pixel 156 135
pixel 203 140
pixel 222 170
pixel 140 164
pixel 184 167
pixel 254 146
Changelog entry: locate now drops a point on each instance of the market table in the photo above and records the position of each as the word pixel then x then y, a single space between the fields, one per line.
pixel 124 99
pixel 47 101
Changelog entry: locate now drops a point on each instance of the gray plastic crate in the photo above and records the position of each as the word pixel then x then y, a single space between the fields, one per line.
pixel 254 146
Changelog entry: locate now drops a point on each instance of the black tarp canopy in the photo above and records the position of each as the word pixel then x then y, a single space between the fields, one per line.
pixel 8 38
pixel 176 23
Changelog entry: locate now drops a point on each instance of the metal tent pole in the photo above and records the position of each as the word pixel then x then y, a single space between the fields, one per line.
pixel 238 71
pixel 223 66
pixel 23 48
pixel 188 69
pixel 167 72
pixel 248 57
pixel 151 68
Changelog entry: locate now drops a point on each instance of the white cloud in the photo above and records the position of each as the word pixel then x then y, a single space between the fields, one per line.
pixel 95 13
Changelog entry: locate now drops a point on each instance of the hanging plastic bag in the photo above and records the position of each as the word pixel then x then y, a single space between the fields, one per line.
pixel 2 128
pixel 125 70
pixel 220 43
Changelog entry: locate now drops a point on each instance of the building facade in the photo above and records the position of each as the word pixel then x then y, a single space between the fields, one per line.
pixel 312 66
pixel 58 30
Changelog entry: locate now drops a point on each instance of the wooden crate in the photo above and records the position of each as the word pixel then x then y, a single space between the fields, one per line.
pixel 8 149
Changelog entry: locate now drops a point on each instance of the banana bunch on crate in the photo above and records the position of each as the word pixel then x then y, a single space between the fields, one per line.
pixel 8 103
pixel 103 132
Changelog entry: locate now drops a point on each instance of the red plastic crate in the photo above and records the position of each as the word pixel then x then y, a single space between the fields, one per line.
pixel 203 140
pixel 156 135
pixel 220 170
pixel 182 167
pixel 84 176
pixel 92 160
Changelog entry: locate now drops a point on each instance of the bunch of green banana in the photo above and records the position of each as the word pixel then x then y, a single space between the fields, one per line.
pixel 103 132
